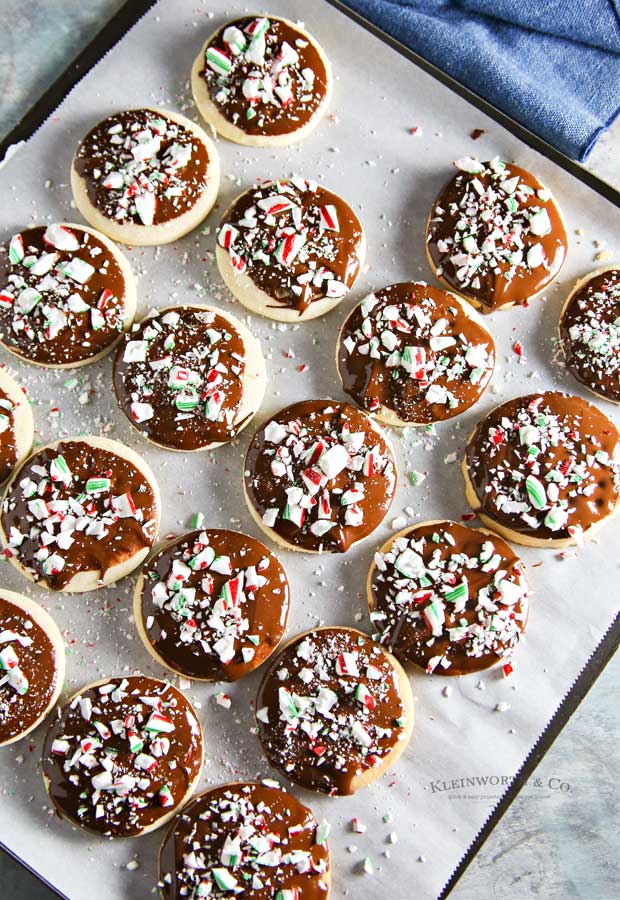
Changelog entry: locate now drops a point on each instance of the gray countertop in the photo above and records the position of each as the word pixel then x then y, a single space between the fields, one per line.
pixel 559 839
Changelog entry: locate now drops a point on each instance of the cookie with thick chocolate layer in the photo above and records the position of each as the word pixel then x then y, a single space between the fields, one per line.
pixel 247 838
pixel 32 665
pixel 262 82
pixel 495 234
pixel 16 425
pixel 79 514
pixel 66 295
pixel 145 176
pixel 212 604
pixel 319 476
pixel 544 470
pixel 450 599
pixel 412 354
pixel 190 377
pixel 123 755
pixel 290 250
pixel 590 332
pixel 334 711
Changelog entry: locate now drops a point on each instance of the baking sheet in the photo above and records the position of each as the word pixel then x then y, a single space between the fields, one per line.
pixel 367 152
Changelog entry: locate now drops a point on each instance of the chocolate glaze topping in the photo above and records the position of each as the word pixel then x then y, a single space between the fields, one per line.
pixel 142 168
pixel 495 234
pixel 250 839
pixel 448 598
pixel 122 754
pixel 545 465
pixel 61 295
pixel 296 240
pixel 411 349
pixel 264 76
pixel 178 377
pixel 28 672
pixel 8 441
pixel 320 474
pixel 214 604
pixel 590 334
pixel 330 709
pixel 75 508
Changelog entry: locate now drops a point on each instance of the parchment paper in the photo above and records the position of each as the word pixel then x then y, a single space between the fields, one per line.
pixel 367 152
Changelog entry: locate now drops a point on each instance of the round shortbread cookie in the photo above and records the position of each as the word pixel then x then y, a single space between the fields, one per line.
pixel 212 604
pixel 190 377
pixel 262 82
pixel 334 711
pixel 32 665
pixel 66 295
pixel 80 513
pixel 145 176
pixel 16 425
pixel 495 235
pixel 245 838
pixel 123 755
pixel 412 354
pixel 544 470
pixel 450 599
pixel 319 476
pixel 290 250
pixel 590 332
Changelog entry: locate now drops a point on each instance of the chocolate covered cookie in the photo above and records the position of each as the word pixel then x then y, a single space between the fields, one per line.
pixel 80 514
pixel 16 425
pixel 319 476
pixel 544 469
pixel 189 377
pixel 590 332
pixel 32 665
pixel 123 755
pixel 245 839
pixel 495 234
pixel 66 295
pixel 290 250
pixel 334 711
pixel 145 176
pixel 263 82
pixel 412 354
pixel 450 599
pixel 212 604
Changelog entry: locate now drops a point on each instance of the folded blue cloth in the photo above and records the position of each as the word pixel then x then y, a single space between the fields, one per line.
pixel 553 65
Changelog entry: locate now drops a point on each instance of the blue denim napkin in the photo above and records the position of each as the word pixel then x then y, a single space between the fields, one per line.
pixel 553 65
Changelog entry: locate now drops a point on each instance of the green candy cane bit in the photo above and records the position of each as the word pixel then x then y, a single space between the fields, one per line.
pixel 97 485
pixel 536 492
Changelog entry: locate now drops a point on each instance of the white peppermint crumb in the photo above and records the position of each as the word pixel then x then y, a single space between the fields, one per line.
pixel 502 707
pixel 447 691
